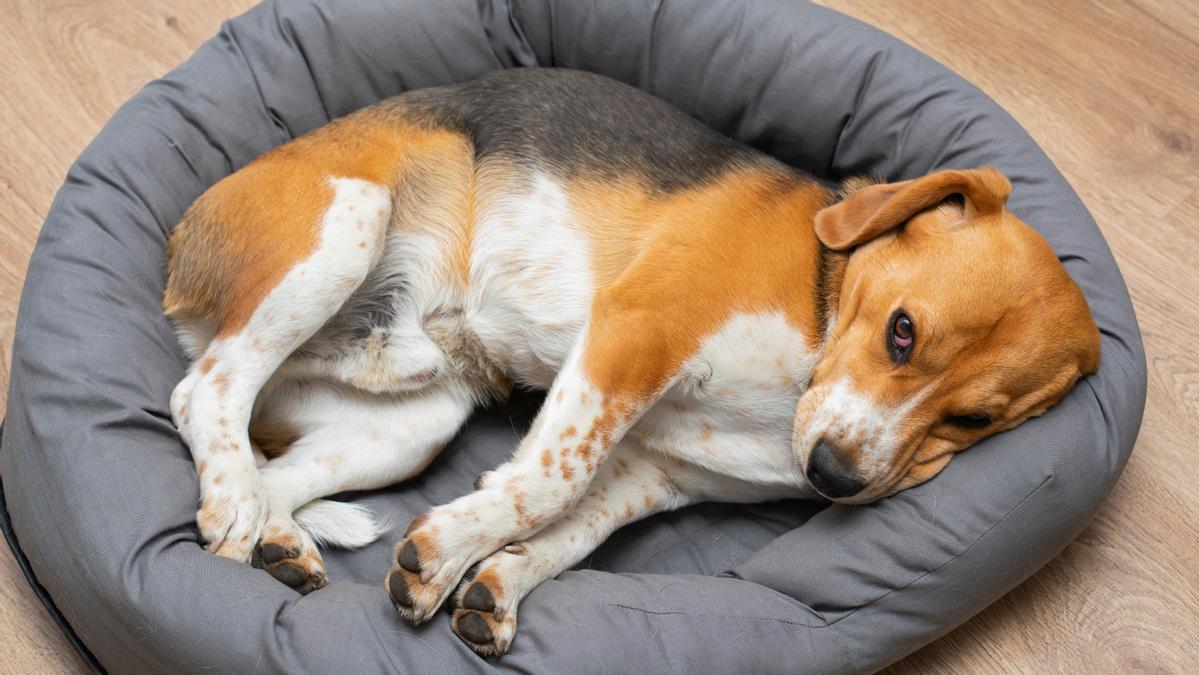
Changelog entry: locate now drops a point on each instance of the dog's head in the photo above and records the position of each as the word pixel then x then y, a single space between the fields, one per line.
pixel 955 321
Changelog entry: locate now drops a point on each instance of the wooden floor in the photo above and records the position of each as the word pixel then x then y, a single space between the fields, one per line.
pixel 1110 90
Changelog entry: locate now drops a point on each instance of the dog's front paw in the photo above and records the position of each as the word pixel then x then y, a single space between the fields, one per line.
pixel 233 509
pixel 485 614
pixel 428 566
pixel 418 582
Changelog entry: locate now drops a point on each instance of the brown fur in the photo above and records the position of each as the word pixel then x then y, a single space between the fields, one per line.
pixel 696 267
pixel 243 235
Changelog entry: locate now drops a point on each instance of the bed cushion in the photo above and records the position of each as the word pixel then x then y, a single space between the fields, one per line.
pixel 102 493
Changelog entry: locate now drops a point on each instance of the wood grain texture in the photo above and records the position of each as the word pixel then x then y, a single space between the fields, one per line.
pixel 1108 89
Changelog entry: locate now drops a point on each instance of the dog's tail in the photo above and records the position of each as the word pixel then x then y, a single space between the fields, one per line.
pixel 340 524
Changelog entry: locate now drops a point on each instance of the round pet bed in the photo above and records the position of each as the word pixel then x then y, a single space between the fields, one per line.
pixel 102 493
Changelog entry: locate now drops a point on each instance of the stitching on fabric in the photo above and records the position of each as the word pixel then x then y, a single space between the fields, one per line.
pixel 716 616
pixel 84 172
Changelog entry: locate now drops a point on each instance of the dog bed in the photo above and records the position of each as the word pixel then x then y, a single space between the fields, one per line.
pixel 102 494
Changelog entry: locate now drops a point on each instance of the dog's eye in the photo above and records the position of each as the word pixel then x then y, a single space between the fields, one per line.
pixel 901 335
pixel 971 421
pixel 902 332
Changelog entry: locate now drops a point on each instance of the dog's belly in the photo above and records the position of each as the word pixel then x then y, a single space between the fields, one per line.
pixel 530 282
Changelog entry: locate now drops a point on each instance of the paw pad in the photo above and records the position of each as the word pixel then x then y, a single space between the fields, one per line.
pixel 474 629
pixel 408 557
pixel 274 553
pixel 290 574
pixel 479 597
pixel 289 566
pixel 398 589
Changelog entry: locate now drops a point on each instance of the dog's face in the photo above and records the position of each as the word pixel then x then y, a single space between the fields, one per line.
pixel 955 321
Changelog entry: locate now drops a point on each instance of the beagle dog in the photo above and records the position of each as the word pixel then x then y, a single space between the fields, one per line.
pixel 709 324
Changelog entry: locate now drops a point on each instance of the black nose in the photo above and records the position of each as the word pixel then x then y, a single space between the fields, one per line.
pixel 827 475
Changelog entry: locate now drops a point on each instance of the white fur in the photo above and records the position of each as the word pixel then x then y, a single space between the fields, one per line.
pixel 530 280
pixel 629 486
pixel 350 440
pixel 354 440
pixel 212 405
pixel 340 524
pixel 399 356
pixel 847 417
pixel 549 472
pixel 736 405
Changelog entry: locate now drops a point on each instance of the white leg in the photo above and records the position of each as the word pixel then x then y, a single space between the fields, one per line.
pixel 349 440
pixel 550 471
pixel 628 487
pixel 354 440
pixel 212 405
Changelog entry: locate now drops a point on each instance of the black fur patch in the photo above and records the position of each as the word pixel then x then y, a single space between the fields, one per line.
pixel 830 265
pixel 578 125
pixel 830 271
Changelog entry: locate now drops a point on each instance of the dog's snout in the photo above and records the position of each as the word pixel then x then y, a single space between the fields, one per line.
pixel 826 473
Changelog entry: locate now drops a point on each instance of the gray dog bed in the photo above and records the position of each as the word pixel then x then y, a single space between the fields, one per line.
pixel 102 494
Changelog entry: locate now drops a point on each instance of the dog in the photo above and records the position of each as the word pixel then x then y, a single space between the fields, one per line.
pixel 708 323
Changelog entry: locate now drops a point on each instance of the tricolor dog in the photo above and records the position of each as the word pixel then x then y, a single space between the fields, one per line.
pixel 709 324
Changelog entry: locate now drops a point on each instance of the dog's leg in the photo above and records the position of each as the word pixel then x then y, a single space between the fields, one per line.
pixel 212 405
pixel 351 441
pixel 633 484
pixel 571 437
pixel 628 487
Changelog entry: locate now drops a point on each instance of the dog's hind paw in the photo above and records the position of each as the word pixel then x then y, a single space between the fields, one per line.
pixel 292 560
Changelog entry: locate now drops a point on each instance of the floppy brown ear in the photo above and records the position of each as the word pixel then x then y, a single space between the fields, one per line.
pixel 873 210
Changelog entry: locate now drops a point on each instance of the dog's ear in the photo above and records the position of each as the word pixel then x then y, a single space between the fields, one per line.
pixel 872 210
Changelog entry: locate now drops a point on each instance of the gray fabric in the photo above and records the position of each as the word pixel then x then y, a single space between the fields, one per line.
pixel 103 494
